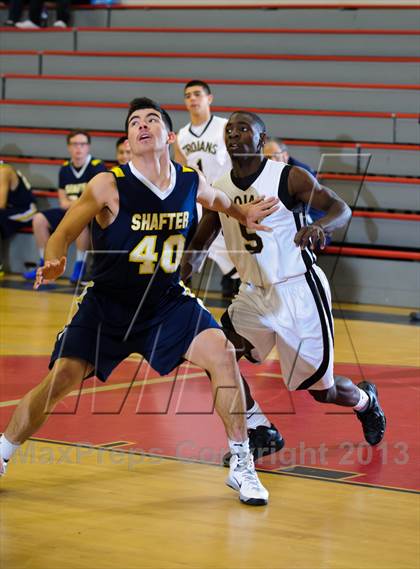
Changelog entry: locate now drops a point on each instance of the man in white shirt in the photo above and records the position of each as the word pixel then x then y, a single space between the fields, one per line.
pixel 201 144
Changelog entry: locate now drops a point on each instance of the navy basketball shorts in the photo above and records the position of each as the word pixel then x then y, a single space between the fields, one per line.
pixel 8 225
pixel 104 333
pixel 54 216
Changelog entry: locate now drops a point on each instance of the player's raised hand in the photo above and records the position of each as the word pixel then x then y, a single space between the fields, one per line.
pixel 259 209
pixel 312 234
pixel 50 271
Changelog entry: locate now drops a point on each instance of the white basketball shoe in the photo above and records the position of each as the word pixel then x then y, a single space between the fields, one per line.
pixel 3 466
pixel 244 479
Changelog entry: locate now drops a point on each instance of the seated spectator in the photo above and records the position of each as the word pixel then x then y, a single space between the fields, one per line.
pixel 17 204
pixel 276 150
pixel 35 14
pixel 72 179
pixel 123 152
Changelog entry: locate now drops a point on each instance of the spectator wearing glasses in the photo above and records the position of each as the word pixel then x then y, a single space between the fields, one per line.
pixel 72 179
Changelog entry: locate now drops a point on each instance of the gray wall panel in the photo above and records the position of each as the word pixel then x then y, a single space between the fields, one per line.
pixel 90 18
pixel 50 145
pixel 383 161
pixel 229 95
pixel 388 232
pixel 394 162
pixel 19 64
pixel 37 40
pixel 99 118
pixel 379 195
pixel 373 281
pixel 408 130
pixel 40 175
pixel 201 42
pixel 273 70
pixel 271 18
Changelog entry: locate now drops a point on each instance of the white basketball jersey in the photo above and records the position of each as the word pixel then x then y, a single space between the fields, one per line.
pixel 263 258
pixel 206 150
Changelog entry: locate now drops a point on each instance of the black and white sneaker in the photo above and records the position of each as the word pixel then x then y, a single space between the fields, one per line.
pixel 244 479
pixel 373 418
pixel 262 441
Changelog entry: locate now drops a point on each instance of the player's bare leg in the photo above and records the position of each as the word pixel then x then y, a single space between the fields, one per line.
pixel 41 230
pixel 211 351
pixel 34 408
pixel 264 437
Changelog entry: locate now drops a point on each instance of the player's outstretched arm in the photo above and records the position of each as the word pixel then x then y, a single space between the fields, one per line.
pixel 303 187
pixel 95 197
pixel 248 214
pixel 207 231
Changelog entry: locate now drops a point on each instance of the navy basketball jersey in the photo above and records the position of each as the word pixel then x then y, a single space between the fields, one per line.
pixel 137 257
pixel 22 196
pixel 73 181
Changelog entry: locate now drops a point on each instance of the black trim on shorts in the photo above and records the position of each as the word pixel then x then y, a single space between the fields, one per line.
pixel 307 259
pixel 320 372
pixel 324 299
pixel 228 329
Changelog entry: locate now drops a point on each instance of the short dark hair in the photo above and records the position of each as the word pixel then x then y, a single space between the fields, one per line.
pixel 145 103
pixel 280 142
pixel 255 118
pixel 199 83
pixel 121 140
pixel 74 133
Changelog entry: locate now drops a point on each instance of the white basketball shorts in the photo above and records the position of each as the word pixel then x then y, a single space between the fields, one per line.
pixel 296 317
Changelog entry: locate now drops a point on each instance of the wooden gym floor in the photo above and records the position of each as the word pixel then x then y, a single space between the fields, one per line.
pixel 128 474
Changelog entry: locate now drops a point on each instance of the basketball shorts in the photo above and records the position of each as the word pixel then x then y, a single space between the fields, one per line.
pixel 296 317
pixel 12 219
pixel 54 216
pixel 104 332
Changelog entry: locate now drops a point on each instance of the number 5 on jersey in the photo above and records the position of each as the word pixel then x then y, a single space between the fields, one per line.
pixel 146 255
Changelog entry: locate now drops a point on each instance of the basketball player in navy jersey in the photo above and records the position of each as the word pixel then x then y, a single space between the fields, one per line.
pixel 73 176
pixel 285 299
pixel 17 204
pixel 141 217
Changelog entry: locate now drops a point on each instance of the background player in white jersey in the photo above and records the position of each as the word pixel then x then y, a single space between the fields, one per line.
pixel 284 299
pixel 201 144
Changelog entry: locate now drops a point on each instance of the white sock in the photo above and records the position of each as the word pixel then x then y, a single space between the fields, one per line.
pixel 363 403
pixel 255 417
pixel 240 448
pixel 80 255
pixel 41 253
pixel 7 449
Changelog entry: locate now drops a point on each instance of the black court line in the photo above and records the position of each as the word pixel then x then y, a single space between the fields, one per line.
pixel 313 471
pixel 366 316
pixel 196 461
